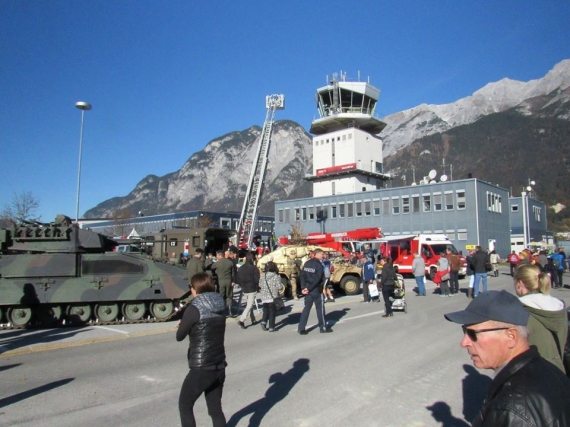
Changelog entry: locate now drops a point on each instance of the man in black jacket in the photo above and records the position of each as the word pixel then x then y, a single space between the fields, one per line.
pixel 312 281
pixel 480 259
pixel 248 279
pixel 526 390
pixel 204 322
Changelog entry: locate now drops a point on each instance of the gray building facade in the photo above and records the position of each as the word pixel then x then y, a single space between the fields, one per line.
pixel 470 212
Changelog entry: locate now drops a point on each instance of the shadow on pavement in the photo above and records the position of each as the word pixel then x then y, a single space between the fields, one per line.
pixel 334 317
pixel 33 392
pixel 441 412
pixel 475 387
pixel 281 385
pixel 16 339
pixel 6 367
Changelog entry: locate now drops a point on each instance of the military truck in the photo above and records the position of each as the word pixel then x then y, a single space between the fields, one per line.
pixel 345 276
pixel 177 242
pixel 51 273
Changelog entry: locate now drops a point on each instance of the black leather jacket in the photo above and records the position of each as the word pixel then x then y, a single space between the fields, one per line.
pixel 205 322
pixel 529 392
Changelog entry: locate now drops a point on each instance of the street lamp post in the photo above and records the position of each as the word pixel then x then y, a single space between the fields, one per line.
pixel 83 106
pixel 526 212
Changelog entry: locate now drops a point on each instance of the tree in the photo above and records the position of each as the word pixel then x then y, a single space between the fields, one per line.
pixel 24 206
pixel 297 233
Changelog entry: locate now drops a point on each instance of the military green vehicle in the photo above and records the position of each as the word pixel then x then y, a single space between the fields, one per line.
pixel 58 273
pixel 345 276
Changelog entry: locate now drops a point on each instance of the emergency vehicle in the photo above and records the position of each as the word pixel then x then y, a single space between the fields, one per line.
pixel 401 249
pixel 344 242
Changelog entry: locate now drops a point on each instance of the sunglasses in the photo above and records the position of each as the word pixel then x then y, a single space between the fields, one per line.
pixel 472 333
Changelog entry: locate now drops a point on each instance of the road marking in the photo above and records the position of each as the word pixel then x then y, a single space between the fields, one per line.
pixel 149 379
pixel 375 313
pixel 112 330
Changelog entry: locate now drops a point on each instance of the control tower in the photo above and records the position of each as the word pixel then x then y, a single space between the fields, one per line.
pixel 347 151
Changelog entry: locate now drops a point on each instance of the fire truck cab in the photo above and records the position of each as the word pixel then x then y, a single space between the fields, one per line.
pixel 401 249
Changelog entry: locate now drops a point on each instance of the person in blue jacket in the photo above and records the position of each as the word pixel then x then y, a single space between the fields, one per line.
pixel 368 277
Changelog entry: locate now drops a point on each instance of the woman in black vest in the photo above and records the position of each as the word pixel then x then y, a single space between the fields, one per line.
pixel 204 322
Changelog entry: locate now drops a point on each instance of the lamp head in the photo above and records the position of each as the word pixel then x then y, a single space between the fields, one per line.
pixel 83 105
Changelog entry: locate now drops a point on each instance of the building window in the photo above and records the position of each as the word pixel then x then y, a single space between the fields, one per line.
pixel 494 202
pixel 405 205
pixel 358 207
pixel 514 208
pixel 460 199
pixel 396 206
pixel 303 214
pixel 297 214
pixel 367 208
pixel 437 202
pixel 385 206
pixel 415 204
pixel 448 201
pixel 333 212
pixel 280 215
pixel 376 204
pixel 379 167
pixel 341 213
pixel 311 212
pixel 537 211
pixel 427 202
pixel 462 235
pixel 349 210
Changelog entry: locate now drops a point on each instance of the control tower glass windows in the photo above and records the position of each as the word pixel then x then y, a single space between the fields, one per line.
pixel 349 101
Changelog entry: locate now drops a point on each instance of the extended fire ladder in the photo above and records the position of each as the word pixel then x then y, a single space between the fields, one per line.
pixel 248 217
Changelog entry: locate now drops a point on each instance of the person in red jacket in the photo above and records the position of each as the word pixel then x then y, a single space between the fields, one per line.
pixel 514 260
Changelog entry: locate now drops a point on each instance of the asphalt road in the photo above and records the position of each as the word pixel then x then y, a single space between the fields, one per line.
pixel 408 370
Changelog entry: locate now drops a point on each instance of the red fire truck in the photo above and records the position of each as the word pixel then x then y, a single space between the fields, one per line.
pixel 401 249
pixel 344 242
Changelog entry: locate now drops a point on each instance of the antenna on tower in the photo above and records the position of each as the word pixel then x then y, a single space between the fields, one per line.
pixel 413 175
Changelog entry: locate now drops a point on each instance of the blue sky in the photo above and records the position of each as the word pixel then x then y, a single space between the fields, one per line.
pixel 166 77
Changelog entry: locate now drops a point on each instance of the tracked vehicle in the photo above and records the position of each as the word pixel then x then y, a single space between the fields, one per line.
pixel 58 273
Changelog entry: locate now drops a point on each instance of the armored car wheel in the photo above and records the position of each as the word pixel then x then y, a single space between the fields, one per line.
pixel 79 312
pixel 162 309
pixel 134 311
pixel 350 284
pixel 107 312
pixel 19 316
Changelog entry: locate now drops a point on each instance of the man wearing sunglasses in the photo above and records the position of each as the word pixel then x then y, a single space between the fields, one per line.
pixel 526 390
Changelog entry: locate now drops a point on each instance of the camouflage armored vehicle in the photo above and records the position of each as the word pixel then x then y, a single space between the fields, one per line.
pixel 60 272
pixel 345 276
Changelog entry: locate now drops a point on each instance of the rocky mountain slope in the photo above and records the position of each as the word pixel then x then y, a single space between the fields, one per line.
pixel 506 132
pixel 217 177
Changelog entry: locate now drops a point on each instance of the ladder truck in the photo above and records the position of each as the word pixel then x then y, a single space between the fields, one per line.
pixel 248 217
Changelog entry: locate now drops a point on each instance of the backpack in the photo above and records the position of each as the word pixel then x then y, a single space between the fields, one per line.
pixel 556 263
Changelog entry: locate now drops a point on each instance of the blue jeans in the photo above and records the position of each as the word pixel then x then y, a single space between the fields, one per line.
pixel 421 285
pixel 479 276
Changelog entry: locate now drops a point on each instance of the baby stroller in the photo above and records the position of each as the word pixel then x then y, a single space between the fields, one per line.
pixel 399 300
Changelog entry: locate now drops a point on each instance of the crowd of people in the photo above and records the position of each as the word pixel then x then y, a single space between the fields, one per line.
pixel 523 337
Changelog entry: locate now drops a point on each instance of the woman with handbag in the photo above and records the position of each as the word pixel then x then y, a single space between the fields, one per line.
pixel 269 285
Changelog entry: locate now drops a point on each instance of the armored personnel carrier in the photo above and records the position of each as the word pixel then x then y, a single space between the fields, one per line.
pixel 345 277
pixel 57 272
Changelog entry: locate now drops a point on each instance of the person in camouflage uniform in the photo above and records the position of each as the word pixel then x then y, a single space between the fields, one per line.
pixel 292 271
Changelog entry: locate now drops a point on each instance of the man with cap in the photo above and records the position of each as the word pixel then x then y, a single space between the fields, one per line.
pixel 526 390
pixel 312 281
pixel 195 264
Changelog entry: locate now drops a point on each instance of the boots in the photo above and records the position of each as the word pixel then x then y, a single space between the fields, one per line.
pixel 470 293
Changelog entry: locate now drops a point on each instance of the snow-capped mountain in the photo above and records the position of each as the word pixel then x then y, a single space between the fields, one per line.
pixel 407 126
